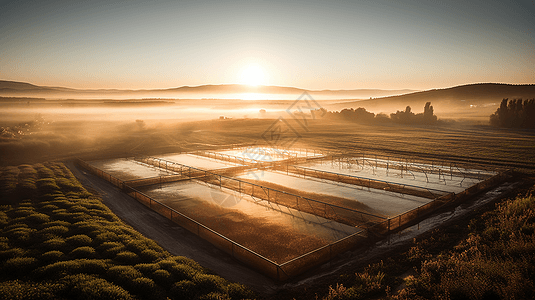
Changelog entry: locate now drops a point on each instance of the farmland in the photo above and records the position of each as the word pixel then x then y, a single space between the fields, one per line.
pixel 59 241
pixel 63 139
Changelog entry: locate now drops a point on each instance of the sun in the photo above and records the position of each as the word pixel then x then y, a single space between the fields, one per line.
pixel 253 75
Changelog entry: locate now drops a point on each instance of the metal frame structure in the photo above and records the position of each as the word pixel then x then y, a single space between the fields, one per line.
pixel 372 225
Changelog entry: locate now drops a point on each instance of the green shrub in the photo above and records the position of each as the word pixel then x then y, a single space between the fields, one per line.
pixel 16 226
pixel 184 289
pixel 70 217
pixel 88 287
pixel 88 227
pixel 167 263
pixel 145 287
pixel 162 277
pixel 56 223
pixel 123 275
pixel 142 243
pixel 181 271
pixel 106 237
pixel 22 212
pixel 110 249
pixel 147 268
pixel 44 172
pixel 4 246
pixel 239 291
pixel 94 266
pixel 49 196
pixel 208 283
pixel 187 261
pixel 20 233
pixel 37 218
pixel 26 189
pixel 58 230
pixel 59 211
pixel 56 243
pixel 19 265
pixel 127 257
pixel 150 255
pixel 67 185
pixel 21 290
pixel 47 186
pixel 79 240
pixel 75 266
pixel 51 256
pixel 59 269
pixel 4 219
pixel 12 252
pixel 83 252
pixel 62 202
pixel 49 207
pixel 78 208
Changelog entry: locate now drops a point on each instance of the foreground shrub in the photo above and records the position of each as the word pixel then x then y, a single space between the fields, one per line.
pixel 184 289
pixel 150 255
pixel 162 277
pixel 58 230
pixel 79 240
pixel 147 268
pixel 145 287
pixel 23 290
pixel 89 287
pixel 127 257
pixel 37 218
pixel 55 244
pixel 83 252
pixel 123 275
pixel 51 256
pixel 19 265
pixel 496 261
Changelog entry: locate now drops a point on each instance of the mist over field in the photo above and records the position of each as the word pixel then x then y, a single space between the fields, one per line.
pixel 37 129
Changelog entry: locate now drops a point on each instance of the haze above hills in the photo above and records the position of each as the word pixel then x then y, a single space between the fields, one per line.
pixel 221 91
pixel 464 101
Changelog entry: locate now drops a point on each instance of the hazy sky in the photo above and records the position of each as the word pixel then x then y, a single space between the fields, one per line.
pixel 306 44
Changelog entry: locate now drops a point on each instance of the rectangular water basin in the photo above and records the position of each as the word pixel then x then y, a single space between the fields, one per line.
pixel 276 232
pixel 127 169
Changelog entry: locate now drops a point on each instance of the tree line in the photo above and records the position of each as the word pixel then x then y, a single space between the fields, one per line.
pixel 361 115
pixel 514 114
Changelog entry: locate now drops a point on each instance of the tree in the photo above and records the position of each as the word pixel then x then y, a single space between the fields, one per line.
pixel 514 114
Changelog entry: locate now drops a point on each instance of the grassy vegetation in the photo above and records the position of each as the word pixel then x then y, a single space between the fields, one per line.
pixel 491 256
pixel 58 241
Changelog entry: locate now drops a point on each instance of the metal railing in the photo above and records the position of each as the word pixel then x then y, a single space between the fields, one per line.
pixel 266 266
pixel 295 266
pixel 323 209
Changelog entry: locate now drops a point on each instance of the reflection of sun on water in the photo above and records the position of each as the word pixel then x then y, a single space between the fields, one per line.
pixel 252 75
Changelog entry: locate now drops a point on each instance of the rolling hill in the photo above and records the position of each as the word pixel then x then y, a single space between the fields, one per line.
pixel 224 91
pixel 460 101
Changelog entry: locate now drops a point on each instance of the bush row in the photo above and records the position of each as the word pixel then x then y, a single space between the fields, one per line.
pixel 59 241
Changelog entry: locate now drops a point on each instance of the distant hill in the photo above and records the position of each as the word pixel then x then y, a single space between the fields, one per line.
pixel 472 99
pixel 21 89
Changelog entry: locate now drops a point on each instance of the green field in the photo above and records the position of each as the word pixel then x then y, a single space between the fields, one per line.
pixel 58 241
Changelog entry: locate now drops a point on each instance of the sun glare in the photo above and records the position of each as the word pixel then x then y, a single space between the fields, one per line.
pixel 252 75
